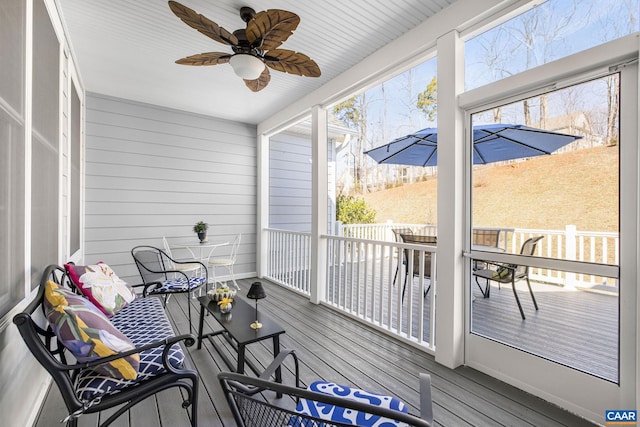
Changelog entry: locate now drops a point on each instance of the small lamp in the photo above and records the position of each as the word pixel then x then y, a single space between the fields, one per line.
pixel 256 292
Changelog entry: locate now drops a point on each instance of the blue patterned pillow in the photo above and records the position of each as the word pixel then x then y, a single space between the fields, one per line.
pixel 346 416
pixel 143 321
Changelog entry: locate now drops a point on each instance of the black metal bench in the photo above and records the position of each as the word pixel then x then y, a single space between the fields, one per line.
pixel 84 391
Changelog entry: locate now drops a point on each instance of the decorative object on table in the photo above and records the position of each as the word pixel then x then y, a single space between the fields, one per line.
pixel 256 292
pixel 201 230
pixel 219 294
pixel 253 47
pixel 225 305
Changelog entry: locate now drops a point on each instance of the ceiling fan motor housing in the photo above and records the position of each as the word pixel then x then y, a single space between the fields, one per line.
pixel 247 13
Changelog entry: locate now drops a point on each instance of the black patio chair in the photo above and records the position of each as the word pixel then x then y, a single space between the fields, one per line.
pixel 489 237
pixel 426 272
pixel 509 273
pixel 253 404
pixel 161 275
pixel 397 235
pixel 485 238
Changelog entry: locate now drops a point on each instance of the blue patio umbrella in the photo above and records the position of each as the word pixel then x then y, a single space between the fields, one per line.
pixel 491 143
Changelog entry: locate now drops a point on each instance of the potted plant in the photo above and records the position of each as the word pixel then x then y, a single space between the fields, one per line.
pixel 201 230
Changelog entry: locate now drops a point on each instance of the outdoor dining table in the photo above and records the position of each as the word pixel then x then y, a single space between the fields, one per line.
pixel 204 251
pixel 200 249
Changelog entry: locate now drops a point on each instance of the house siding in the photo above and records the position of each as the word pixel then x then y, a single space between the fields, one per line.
pixel 154 172
pixel 290 180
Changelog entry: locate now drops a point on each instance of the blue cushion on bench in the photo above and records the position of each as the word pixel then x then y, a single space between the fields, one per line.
pixel 143 321
pixel 342 415
pixel 179 284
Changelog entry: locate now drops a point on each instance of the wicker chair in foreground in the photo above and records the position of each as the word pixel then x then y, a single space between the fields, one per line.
pixel 253 403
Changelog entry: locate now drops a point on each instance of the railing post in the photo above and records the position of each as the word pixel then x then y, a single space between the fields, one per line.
pixel 570 254
pixel 262 220
pixel 319 191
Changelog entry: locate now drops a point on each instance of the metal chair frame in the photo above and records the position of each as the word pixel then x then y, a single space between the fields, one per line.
pixel 426 272
pixel 227 262
pixel 44 346
pixel 153 265
pixel 252 403
pixel 515 273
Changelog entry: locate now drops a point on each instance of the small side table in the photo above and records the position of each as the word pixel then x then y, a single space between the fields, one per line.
pixel 236 330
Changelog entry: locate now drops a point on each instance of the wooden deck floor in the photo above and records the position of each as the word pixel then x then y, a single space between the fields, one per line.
pixel 572 327
pixel 334 347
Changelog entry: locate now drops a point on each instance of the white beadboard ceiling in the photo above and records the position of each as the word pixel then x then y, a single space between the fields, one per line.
pixel 127 49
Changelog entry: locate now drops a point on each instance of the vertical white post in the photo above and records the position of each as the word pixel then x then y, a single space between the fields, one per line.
pixel 570 254
pixel 319 194
pixel 450 304
pixel 262 202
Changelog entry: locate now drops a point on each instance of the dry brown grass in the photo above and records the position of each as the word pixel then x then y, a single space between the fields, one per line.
pixel 547 192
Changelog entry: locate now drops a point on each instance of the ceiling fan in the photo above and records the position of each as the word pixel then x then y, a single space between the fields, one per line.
pixel 253 47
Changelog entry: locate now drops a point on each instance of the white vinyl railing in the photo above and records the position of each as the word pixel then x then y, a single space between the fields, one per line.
pixel 363 281
pixel 289 259
pixel 573 245
pixel 567 244
pixel 382 231
pixel 365 278
pixel 380 290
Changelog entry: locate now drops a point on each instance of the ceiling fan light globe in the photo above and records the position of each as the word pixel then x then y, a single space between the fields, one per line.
pixel 246 66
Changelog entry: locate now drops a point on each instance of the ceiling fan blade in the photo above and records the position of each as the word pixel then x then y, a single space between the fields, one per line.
pixel 292 62
pixel 202 24
pixel 208 58
pixel 273 27
pixel 261 82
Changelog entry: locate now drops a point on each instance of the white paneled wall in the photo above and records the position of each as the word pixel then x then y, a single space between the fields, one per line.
pixel 290 182
pixel 153 172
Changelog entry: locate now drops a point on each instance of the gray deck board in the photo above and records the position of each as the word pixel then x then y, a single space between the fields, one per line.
pixel 333 347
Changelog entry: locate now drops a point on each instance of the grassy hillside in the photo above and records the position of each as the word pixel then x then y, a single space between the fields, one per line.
pixel 546 192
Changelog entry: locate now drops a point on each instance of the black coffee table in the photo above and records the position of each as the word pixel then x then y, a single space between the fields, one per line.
pixel 238 333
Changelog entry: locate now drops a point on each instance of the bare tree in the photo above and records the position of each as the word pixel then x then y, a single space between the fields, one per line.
pixel 353 112
pixel 613 94
pixel 612 27
pixel 534 32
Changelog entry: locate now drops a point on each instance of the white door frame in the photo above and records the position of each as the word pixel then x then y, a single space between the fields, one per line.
pixel 579 392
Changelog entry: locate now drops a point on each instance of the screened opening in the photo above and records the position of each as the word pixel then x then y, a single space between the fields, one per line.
pixel 560 204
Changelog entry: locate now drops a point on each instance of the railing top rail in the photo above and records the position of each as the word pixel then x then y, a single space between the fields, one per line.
pixel 278 230
pixel 558 232
pixel 425 247
pixel 506 229
pixel 598 234
pixel 387 224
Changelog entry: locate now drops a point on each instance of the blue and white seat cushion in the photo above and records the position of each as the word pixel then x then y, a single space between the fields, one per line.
pixel 178 284
pixel 143 322
pixel 338 414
